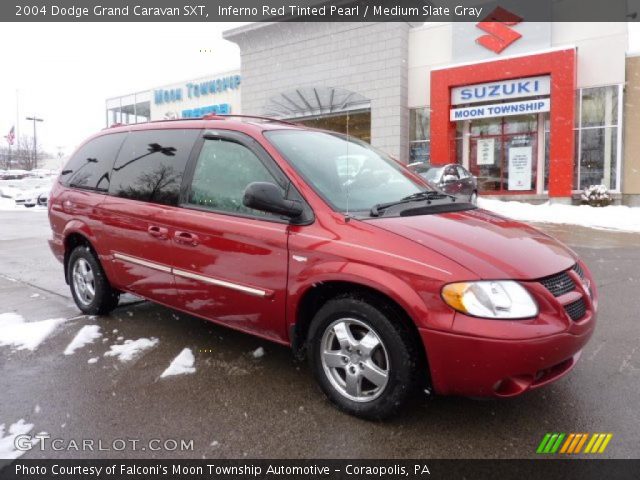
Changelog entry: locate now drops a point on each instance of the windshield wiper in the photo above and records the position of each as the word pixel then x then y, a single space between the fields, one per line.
pixel 424 195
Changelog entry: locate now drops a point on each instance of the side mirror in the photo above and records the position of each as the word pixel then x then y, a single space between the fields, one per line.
pixel 267 197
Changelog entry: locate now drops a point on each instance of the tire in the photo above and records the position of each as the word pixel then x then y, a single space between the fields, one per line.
pixel 89 285
pixel 473 198
pixel 349 377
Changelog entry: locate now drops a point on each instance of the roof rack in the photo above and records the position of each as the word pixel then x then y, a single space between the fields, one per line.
pixel 210 116
pixel 213 116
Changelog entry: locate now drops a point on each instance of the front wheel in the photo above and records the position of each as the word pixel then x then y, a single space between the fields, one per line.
pixel 89 285
pixel 363 358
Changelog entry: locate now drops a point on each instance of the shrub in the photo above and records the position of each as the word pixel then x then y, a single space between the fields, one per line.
pixel 596 196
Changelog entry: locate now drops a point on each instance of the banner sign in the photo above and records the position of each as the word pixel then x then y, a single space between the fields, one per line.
pixel 520 168
pixel 503 90
pixel 500 109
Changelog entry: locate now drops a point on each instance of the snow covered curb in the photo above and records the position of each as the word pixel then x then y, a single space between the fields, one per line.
pixel 613 217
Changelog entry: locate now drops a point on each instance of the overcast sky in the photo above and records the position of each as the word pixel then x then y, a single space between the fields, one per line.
pixel 63 72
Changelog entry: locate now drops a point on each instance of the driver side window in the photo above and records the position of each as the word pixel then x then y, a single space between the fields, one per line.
pixel 223 171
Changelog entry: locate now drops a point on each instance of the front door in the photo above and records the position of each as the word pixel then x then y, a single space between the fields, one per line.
pixel 230 262
pixel 503 154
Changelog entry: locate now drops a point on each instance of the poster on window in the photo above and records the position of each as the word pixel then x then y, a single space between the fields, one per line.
pixel 520 168
pixel 485 149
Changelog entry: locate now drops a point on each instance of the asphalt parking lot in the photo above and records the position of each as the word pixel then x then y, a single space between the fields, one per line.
pixel 236 405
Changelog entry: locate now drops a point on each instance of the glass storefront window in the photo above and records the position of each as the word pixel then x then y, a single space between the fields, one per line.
pixel 419 152
pixel 599 106
pixel 598 156
pixel 419 125
pixel 596 149
pixel 356 124
pixel 503 153
pixel 486 126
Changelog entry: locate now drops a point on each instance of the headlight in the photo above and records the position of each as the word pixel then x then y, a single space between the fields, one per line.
pixel 490 299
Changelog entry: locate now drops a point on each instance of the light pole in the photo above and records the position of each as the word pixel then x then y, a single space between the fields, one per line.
pixel 35 119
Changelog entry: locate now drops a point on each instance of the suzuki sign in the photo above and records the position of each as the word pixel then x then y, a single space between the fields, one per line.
pixel 502 90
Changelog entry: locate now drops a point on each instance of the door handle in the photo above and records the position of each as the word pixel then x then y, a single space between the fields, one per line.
pixel 158 232
pixel 186 238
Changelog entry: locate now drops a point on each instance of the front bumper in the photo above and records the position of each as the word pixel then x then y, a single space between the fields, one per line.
pixel 491 367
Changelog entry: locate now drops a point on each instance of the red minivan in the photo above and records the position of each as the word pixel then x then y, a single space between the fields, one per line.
pixel 318 241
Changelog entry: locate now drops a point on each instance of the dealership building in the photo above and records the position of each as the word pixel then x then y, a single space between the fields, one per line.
pixel 539 111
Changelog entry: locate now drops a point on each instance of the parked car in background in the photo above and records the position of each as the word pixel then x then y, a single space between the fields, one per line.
pixel 35 196
pixel 27 191
pixel 13 174
pixel 453 179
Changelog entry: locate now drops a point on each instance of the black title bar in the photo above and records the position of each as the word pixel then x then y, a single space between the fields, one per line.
pixel 545 469
pixel 318 10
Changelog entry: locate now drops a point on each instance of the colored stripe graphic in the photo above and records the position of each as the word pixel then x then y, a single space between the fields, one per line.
pixel 550 443
pixel 572 443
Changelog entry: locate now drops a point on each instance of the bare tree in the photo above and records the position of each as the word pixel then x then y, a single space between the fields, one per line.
pixel 23 154
pixel 6 155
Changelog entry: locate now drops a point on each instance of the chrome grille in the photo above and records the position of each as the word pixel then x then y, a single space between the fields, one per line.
pixel 576 310
pixel 578 269
pixel 558 284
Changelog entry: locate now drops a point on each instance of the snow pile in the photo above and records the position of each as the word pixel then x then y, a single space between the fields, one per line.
pixel 613 217
pixel 14 331
pixel 181 365
pixel 258 352
pixel 7 446
pixel 131 349
pixel 86 335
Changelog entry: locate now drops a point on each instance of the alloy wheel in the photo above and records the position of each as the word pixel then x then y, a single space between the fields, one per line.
pixel 84 281
pixel 355 359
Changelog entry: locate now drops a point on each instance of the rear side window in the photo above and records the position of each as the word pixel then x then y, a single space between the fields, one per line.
pixel 151 164
pixel 90 166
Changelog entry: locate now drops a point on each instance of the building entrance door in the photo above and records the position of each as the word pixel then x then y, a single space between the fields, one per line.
pixel 503 154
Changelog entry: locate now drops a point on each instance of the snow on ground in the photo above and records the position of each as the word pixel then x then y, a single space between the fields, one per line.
pixel 181 365
pixel 85 335
pixel 131 349
pixel 7 446
pixel 15 332
pixel 613 217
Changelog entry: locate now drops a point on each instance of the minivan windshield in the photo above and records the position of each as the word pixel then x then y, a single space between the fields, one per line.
pixel 348 173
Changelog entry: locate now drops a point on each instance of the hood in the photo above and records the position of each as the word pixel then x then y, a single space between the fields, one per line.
pixel 491 246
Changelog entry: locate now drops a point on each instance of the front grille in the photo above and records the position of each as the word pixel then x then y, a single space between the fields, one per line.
pixel 578 269
pixel 558 284
pixel 576 310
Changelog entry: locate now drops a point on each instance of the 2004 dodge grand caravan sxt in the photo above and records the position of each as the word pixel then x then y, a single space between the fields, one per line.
pixel 318 241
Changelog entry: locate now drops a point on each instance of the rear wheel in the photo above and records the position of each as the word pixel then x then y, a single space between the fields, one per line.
pixel 364 360
pixel 89 285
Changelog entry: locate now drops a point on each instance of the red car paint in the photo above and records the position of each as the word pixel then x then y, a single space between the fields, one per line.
pixel 408 259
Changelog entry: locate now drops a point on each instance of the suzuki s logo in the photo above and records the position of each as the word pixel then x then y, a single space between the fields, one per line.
pixel 497 24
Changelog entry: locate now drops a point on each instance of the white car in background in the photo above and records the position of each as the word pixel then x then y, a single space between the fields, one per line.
pixel 27 191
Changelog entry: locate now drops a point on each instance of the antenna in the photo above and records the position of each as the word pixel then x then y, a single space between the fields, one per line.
pixel 346 218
